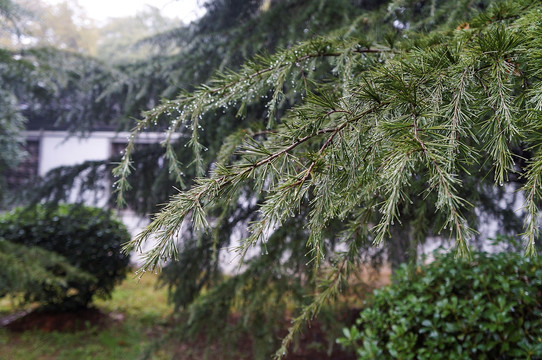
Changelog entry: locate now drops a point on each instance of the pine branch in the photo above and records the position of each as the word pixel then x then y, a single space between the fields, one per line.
pixel 167 224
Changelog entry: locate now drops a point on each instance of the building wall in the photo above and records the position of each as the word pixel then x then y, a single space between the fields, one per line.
pixel 57 150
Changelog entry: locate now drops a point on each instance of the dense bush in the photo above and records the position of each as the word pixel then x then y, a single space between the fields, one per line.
pixel 89 238
pixel 35 272
pixel 488 307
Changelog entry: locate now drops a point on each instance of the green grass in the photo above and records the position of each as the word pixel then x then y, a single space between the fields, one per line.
pixel 141 311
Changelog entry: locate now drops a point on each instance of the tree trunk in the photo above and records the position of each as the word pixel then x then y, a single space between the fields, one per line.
pixel 401 247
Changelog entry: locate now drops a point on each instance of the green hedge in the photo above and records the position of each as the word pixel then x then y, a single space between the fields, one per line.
pixel 488 307
pixel 32 270
pixel 89 238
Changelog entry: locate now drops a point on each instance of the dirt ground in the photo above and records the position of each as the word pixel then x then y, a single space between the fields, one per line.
pixel 58 321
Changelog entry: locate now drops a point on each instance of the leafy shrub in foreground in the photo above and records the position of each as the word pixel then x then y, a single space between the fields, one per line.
pixel 89 238
pixel 35 272
pixel 488 307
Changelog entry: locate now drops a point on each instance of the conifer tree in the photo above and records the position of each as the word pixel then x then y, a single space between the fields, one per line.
pixel 410 134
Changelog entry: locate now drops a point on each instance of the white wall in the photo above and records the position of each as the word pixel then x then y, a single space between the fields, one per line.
pixel 56 150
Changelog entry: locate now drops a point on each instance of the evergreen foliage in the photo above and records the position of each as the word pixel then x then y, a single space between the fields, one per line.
pixel 377 135
pixel 419 111
pixel 486 307
pixel 62 90
pixel 263 294
pixel 55 89
pixel 89 239
pixel 11 122
pixel 11 142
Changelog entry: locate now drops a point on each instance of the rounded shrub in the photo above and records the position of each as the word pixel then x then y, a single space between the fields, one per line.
pixel 485 307
pixel 89 238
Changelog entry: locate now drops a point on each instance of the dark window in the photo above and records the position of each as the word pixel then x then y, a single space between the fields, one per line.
pixel 28 168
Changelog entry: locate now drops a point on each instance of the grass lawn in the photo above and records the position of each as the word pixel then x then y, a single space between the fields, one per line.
pixel 138 314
